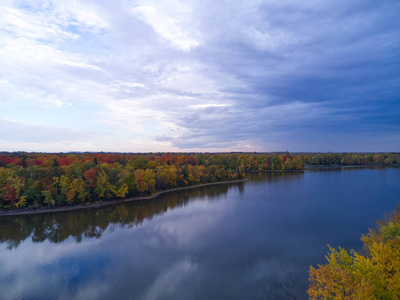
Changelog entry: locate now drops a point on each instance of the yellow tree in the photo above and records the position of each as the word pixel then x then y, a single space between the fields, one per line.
pixel 149 179
pixel 65 184
pixel 375 275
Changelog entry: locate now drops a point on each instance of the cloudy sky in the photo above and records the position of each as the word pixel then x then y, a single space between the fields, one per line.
pixel 170 75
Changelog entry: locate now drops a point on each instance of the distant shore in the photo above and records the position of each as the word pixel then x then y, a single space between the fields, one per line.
pixel 329 167
pixel 44 209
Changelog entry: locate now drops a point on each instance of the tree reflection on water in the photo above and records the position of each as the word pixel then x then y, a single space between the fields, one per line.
pixel 91 223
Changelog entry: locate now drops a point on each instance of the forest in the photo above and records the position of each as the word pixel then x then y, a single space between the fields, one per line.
pixel 349 159
pixel 32 180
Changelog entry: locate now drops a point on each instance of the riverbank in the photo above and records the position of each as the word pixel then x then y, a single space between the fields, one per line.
pixel 41 210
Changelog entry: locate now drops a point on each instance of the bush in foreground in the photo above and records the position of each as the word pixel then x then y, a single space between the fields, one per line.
pixel 374 275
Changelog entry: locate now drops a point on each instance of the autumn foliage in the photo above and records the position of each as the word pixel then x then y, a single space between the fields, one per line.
pixel 345 159
pixel 34 180
pixel 374 275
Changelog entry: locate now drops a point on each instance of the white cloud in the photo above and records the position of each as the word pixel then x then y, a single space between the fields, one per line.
pixel 15 93
pixel 206 105
pixel 170 23
pixel 29 25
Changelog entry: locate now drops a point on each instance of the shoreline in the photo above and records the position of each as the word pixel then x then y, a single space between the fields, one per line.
pixel 44 209
pixel 337 166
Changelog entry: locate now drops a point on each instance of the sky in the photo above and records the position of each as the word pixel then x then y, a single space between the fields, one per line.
pixel 179 76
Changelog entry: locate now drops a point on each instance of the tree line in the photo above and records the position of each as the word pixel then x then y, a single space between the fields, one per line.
pixel 343 159
pixel 37 179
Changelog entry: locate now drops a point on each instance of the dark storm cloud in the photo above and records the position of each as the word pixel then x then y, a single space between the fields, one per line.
pixel 334 61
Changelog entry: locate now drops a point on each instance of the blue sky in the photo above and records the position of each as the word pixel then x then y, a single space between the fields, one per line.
pixel 141 76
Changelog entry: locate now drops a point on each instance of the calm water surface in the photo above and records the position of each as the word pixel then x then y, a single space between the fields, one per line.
pixel 230 241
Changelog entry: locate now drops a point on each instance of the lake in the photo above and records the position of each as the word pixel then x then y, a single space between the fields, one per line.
pixel 230 241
